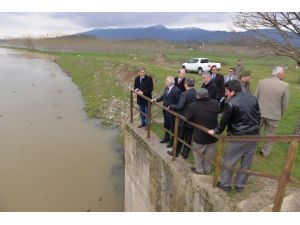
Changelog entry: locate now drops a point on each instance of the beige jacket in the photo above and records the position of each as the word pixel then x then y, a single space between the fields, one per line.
pixel 273 97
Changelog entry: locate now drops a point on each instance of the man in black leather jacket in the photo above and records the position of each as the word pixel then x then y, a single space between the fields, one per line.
pixel 242 117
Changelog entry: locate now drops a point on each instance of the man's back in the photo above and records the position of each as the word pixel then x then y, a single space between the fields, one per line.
pixel 272 95
pixel 241 115
pixel 186 98
pixel 205 112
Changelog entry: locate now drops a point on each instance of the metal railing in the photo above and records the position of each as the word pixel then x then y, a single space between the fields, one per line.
pixel 283 179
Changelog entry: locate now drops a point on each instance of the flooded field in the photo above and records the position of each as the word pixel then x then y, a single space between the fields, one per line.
pixel 52 157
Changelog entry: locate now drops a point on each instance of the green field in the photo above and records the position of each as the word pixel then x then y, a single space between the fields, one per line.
pixel 99 76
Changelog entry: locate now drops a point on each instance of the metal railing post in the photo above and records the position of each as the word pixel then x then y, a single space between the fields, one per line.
pixel 131 106
pixel 218 165
pixel 149 119
pixel 175 138
pixel 284 178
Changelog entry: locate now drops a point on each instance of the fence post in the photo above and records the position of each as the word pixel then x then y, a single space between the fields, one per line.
pixel 175 138
pixel 217 170
pixel 149 119
pixel 284 177
pixel 131 107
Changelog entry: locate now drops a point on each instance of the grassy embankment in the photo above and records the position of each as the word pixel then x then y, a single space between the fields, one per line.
pixel 98 74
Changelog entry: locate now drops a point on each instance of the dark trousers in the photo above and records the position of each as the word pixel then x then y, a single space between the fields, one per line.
pixel 169 122
pixel 144 109
pixel 185 133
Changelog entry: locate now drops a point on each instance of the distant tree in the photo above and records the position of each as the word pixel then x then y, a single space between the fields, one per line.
pixel 284 38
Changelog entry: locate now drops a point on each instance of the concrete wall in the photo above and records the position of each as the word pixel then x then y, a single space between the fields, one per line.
pixel 153 182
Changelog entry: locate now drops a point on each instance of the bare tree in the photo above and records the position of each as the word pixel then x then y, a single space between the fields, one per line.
pixel 283 37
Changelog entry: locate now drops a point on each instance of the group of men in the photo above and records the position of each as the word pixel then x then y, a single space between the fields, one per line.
pixel 242 114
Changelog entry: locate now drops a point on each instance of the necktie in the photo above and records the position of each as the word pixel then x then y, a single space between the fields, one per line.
pixel 179 81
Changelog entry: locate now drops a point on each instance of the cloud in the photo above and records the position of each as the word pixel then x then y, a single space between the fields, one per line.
pixel 35 24
pixel 38 24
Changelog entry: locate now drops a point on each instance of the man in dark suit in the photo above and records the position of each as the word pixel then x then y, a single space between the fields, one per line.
pixel 143 85
pixel 179 81
pixel 210 86
pixel 171 96
pixel 185 131
pixel 218 80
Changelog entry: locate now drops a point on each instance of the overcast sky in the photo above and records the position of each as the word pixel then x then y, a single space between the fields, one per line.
pixel 38 24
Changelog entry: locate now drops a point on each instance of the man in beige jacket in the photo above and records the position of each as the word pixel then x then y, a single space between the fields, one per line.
pixel 273 96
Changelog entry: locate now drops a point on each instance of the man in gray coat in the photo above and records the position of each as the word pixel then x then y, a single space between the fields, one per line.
pixel 273 96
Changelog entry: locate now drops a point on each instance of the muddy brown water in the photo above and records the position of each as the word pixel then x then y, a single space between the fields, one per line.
pixel 52 157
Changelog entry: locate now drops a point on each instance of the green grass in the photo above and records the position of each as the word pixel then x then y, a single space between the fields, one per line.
pixel 95 74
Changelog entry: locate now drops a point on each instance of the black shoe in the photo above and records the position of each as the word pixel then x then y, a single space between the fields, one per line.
pixel 171 153
pixel 184 156
pixel 193 169
pixel 164 140
pixel 140 126
pixel 226 189
pixel 169 145
pixel 239 189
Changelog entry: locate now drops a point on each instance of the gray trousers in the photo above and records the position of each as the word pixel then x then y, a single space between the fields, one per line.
pixel 236 151
pixel 202 165
pixel 270 129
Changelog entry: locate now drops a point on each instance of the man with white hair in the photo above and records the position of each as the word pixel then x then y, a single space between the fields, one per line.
pixel 273 96
pixel 170 96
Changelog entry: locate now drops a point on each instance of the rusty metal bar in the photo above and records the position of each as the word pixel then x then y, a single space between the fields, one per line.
pixel 273 138
pixel 277 138
pixel 284 178
pixel 131 107
pixel 175 138
pixel 149 119
pixel 218 164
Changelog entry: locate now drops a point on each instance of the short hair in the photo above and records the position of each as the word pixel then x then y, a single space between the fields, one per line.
pixel 141 69
pixel 277 70
pixel 181 70
pixel 206 72
pixel 190 82
pixel 213 67
pixel 171 79
pixel 233 85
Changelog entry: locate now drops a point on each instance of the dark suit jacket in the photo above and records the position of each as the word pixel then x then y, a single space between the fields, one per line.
pixel 213 91
pixel 219 82
pixel 186 98
pixel 204 112
pixel 146 86
pixel 170 99
pixel 181 85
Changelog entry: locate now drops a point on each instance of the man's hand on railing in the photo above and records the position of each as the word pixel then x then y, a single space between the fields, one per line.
pixel 138 91
pixel 153 100
pixel 211 132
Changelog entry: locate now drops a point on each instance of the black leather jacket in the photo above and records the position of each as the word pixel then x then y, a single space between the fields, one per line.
pixel 241 115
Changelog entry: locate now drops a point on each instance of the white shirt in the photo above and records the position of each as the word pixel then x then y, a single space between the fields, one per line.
pixel 169 89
